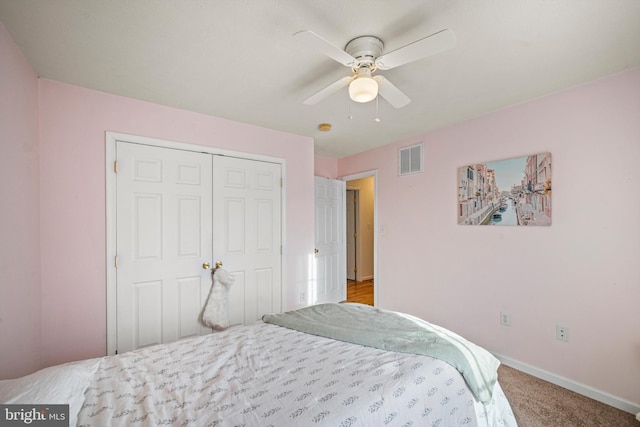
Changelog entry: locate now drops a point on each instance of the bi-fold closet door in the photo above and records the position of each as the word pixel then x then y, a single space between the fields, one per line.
pixel 178 213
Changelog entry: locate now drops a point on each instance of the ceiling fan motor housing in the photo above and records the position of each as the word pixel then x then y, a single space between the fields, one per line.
pixel 365 49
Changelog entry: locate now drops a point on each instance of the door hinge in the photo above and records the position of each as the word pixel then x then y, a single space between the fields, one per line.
pixel 355 235
pixel 115 261
pixel 115 166
pixel 281 183
pixel 355 269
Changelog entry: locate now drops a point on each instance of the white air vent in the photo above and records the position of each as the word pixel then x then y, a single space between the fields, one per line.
pixel 410 160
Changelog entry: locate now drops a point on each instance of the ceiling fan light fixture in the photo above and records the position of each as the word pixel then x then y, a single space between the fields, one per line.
pixel 364 55
pixel 363 88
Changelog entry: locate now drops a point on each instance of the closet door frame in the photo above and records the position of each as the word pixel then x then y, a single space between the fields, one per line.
pixel 111 139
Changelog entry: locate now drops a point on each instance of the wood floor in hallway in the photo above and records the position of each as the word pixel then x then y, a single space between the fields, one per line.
pixel 361 292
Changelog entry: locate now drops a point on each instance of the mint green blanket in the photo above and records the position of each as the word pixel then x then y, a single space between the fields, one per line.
pixel 402 333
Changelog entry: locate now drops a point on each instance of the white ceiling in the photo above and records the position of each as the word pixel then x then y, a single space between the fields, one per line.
pixel 237 59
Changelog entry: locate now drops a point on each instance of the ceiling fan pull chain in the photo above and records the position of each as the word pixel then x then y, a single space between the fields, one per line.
pixel 377 119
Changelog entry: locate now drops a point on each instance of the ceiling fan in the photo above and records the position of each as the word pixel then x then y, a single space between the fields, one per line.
pixel 364 56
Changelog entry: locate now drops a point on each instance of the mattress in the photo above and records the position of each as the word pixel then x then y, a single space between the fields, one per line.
pixel 261 375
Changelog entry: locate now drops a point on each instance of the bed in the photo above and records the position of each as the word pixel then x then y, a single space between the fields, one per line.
pixel 325 365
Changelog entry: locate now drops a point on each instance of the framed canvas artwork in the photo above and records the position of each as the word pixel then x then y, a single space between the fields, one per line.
pixel 511 192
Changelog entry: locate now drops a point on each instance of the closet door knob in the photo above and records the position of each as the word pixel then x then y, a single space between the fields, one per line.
pixel 218 264
pixel 206 266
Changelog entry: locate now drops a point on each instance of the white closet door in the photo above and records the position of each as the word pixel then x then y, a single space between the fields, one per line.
pixel 247 234
pixel 164 235
pixel 330 257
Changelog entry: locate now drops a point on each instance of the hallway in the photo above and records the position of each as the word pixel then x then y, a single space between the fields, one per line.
pixel 361 292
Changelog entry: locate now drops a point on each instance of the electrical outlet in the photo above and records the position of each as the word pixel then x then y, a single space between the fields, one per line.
pixel 562 333
pixel 303 296
pixel 505 319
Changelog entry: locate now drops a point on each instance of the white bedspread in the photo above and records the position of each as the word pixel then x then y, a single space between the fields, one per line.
pixel 399 332
pixel 267 375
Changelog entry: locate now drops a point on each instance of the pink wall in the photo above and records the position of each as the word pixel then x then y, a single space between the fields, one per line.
pixel 73 122
pixel 20 320
pixel 581 272
pixel 325 167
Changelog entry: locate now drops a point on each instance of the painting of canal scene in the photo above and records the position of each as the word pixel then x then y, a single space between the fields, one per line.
pixel 506 192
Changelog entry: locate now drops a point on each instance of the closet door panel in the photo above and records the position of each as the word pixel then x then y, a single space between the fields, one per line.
pixel 164 235
pixel 247 234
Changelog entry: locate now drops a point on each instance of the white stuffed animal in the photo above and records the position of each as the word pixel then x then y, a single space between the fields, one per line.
pixel 216 312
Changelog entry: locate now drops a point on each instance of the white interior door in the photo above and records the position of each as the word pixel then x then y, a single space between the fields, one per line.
pixel 164 235
pixel 330 267
pixel 247 234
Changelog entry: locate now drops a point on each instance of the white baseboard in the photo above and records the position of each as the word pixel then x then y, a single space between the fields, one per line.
pixel 582 389
pixel 370 277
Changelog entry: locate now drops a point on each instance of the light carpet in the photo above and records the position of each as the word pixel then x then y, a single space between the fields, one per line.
pixel 538 403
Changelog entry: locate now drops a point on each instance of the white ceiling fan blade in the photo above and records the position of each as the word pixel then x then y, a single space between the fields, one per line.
pixel 316 42
pixel 391 93
pixel 430 45
pixel 327 91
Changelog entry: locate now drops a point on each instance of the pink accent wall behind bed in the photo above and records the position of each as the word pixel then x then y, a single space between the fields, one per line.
pixel 582 272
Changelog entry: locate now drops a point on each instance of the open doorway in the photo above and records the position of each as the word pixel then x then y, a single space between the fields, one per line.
pixel 360 238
